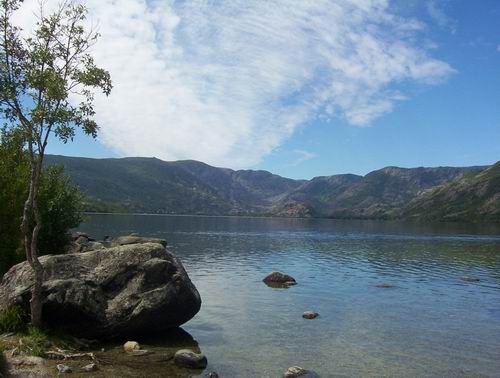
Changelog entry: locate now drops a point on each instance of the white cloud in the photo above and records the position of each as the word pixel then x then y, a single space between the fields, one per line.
pixel 436 12
pixel 303 156
pixel 227 82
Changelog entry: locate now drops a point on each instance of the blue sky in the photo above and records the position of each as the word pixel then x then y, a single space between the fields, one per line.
pixel 441 107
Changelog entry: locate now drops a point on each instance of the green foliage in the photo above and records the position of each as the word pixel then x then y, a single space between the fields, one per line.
pixel 60 202
pixel 14 176
pixel 39 74
pixel 60 210
pixel 13 319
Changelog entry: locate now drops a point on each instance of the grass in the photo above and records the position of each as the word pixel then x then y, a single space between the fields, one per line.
pixel 13 319
pixel 28 339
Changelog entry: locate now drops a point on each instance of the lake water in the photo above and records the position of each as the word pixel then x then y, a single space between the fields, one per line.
pixel 429 324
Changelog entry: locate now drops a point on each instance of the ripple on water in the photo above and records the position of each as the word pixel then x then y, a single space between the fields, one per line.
pixel 431 323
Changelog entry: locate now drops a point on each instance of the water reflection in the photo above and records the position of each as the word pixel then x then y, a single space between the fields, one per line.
pixel 429 323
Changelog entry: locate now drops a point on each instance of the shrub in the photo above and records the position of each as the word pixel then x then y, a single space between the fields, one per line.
pixel 13 319
pixel 60 203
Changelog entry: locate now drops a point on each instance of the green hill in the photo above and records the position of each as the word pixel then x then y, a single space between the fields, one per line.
pixel 149 185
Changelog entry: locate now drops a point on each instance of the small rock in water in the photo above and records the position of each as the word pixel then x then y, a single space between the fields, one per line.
pixel 310 315
pixel 131 346
pixel 212 374
pixel 279 278
pixel 63 368
pixel 190 359
pixel 470 279
pixel 89 368
pixel 384 286
pixel 294 371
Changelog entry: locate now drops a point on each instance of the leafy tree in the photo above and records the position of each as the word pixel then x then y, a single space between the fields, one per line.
pixel 60 202
pixel 14 176
pixel 47 84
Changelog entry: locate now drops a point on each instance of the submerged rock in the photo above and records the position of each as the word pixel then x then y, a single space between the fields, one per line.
pixel 279 278
pixel 470 279
pixel 384 286
pixel 188 358
pixel 310 315
pixel 297 371
pixel 108 292
pixel 294 371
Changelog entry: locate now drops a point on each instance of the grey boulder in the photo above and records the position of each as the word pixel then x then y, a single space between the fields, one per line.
pixel 109 292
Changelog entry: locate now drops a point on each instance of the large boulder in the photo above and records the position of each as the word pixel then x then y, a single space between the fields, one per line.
pixel 108 292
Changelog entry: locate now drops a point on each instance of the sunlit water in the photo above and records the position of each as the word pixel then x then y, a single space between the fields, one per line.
pixel 430 324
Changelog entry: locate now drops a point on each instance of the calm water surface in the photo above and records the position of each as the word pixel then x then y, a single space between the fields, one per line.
pixel 430 324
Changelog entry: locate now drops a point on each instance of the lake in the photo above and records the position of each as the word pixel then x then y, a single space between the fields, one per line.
pixel 430 323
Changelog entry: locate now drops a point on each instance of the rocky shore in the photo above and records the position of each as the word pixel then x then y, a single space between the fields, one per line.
pixel 102 295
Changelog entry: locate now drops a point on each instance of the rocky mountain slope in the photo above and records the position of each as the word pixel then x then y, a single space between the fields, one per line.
pixel 474 196
pixel 149 185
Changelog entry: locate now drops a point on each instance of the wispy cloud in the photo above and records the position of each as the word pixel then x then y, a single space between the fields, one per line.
pixel 303 156
pixel 227 82
pixel 438 14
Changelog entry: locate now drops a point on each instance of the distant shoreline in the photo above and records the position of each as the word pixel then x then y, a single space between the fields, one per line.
pixel 408 221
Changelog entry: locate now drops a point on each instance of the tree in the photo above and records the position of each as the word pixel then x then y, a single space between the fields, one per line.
pixel 60 202
pixel 14 176
pixel 47 85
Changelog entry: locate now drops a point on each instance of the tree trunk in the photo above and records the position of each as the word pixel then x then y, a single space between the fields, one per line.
pixel 31 226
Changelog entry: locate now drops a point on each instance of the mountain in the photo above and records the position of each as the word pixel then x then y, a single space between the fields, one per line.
pixel 149 185
pixel 474 196
pixel 380 194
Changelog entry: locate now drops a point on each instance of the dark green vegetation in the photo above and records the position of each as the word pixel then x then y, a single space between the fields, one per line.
pixel 148 185
pixel 13 319
pixel 60 203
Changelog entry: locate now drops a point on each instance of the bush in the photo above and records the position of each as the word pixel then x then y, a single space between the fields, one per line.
pixel 60 208
pixel 59 201
pixel 13 319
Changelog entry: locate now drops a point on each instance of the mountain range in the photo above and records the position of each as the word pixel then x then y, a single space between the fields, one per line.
pixel 150 185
